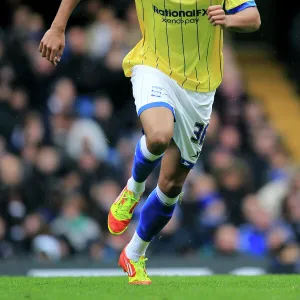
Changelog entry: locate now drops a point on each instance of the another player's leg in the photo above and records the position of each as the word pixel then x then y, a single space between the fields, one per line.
pixel 158 125
pixel 156 213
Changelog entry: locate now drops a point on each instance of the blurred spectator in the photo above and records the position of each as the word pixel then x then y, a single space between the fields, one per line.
pixel 103 195
pixel 85 135
pixel 271 196
pixel 284 253
pixel 230 139
pixel 63 98
pixel 235 184
pixel 77 229
pixel 100 33
pixel 264 144
pixel 291 206
pixel 280 166
pixel 211 207
pixel 43 177
pixel 31 134
pixel 261 232
pixel 103 114
pixel 46 247
pixel 226 240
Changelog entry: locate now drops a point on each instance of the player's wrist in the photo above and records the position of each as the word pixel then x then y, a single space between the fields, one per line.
pixel 227 23
pixel 58 27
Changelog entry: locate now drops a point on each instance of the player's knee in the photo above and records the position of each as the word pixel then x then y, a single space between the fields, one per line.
pixel 171 187
pixel 157 142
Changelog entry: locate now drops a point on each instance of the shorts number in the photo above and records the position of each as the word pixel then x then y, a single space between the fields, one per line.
pixel 199 133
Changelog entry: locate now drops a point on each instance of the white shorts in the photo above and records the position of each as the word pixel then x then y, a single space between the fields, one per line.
pixel 191 110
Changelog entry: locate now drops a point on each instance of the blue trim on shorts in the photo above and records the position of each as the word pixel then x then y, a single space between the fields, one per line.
pixel 241 7
pixel 157 104
pixel 187 163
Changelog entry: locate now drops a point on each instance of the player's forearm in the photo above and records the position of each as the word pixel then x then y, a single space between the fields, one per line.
pixel 247 20
pixel 64 12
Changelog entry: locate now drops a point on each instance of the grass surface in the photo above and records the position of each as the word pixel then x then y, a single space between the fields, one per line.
pixel 162 288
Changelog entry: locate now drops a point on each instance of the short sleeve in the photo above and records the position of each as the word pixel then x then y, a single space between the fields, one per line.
pixel 235 6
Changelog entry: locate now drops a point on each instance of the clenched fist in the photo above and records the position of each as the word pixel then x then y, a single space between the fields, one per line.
pixel 52 45
pixel 217 16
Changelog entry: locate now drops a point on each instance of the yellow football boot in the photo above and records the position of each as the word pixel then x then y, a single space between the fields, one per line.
pixel 136 270
pixel 121 212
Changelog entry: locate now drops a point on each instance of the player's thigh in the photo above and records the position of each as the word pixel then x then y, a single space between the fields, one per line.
pixel 173 173
pixel 154 100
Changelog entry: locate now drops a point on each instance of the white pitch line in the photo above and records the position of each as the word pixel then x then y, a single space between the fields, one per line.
pixel 115 272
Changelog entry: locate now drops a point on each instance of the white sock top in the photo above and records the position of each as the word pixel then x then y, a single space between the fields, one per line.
pixel 165 199
pixel 137 188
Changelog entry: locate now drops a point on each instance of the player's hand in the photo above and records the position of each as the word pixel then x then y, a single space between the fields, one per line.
pixel 217 16
pixel 52 45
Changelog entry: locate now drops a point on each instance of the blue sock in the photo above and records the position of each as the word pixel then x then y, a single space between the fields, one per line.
pixel 142 167
pixel 154 217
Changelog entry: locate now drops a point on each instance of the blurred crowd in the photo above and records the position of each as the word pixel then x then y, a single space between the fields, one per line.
pixel 67 139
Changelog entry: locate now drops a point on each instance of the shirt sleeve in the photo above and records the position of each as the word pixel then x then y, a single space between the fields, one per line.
pixel 235 6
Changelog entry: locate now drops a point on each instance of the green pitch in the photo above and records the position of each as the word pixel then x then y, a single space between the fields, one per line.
pixel 162 288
